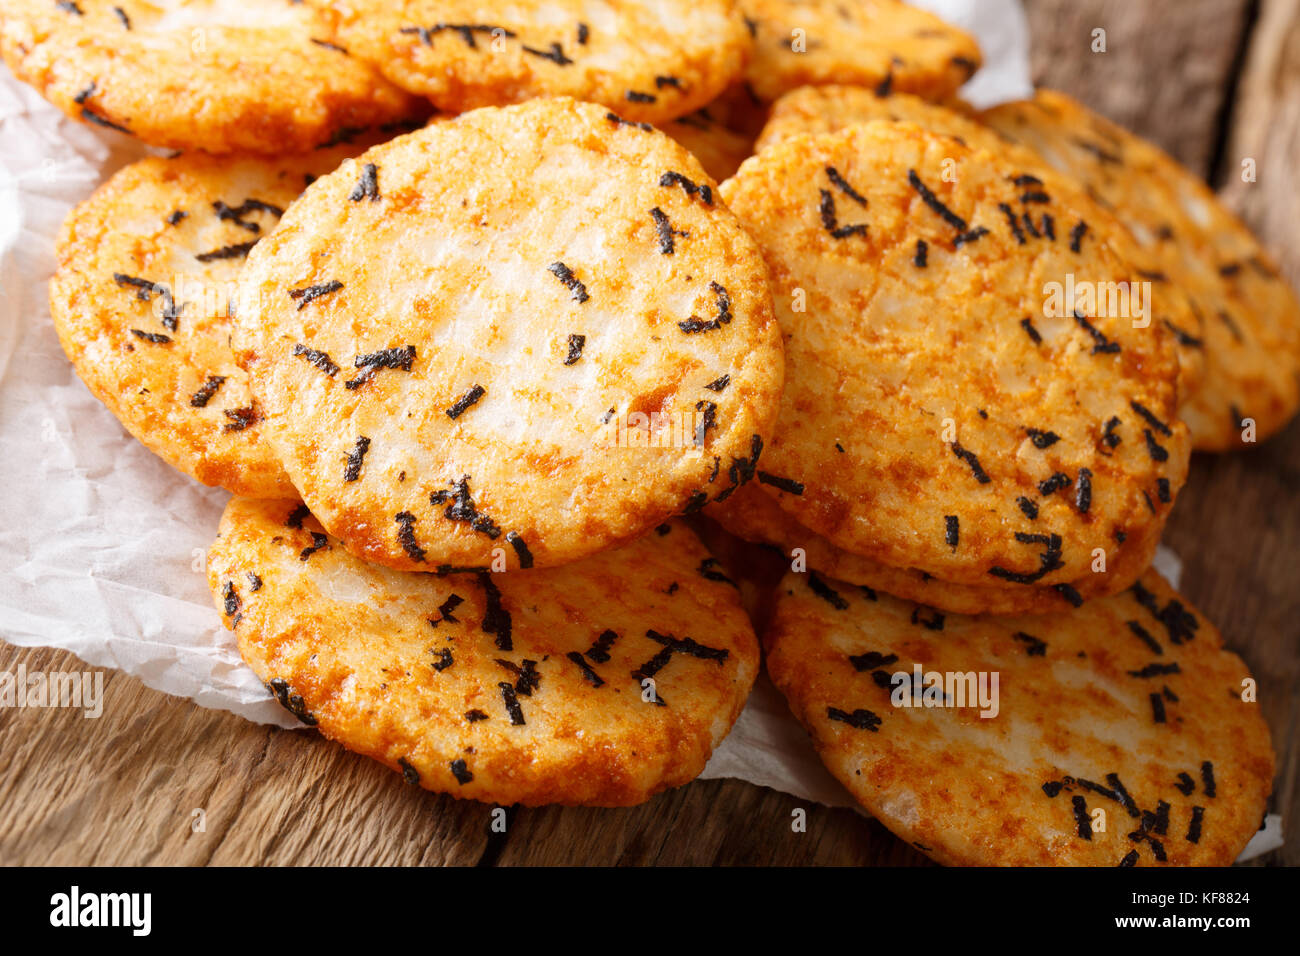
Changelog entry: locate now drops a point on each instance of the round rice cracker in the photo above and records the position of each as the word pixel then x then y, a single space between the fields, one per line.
pixel 942 412
pixel 1128 705
pixel 218 75
pixel 601 683
pixel 755 517
pixel 816 110
pixel 147 274
pixel 649 61
pixel 881 44
pixel 539 336
pixel 1250 334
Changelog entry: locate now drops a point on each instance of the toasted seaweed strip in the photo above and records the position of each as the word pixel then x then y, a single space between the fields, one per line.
pixel 555 53
pixel 209 388
pixel 636 96
pixel 718 384
pixel 356 456
pixel 460 771
pixel 466 401
pixel 952 531
pixel 1034 647
pixel 406 535
pixel 320 359
pixel 511 702
pixel 521 549
pixel 839 182
pixel 290 701
pixel 861 718
pixel 367 186
pixel 703 190
pixel 973 462
pixel 826 592
pixel 409 773
pixel 921 258
pixel 566 276
pixel 619 121
pixel 241 418
pixel 311 293
pixel 238 250
pixel 394 358
pixel 462 508
pixel 587 671
pixel 826 208
pixel 496 619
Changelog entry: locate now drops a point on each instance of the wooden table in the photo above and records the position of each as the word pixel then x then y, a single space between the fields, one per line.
pixel 1208 80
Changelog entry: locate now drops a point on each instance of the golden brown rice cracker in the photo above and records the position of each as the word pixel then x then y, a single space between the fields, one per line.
pixel 546 336
pixel 1250 330
pixel 147 274
pixel 1120 736
pixel 882 44
pixel 649 61
pixel 753 516
pixel 218 75
pixel 817 110
pixel 943 412
pixel 601 683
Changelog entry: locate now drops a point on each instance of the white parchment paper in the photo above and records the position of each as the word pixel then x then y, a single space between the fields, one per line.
pixel 102 544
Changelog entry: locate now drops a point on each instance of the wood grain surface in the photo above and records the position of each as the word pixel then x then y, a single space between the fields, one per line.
pixel 1213 81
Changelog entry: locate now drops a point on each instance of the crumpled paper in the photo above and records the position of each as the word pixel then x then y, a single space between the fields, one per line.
pixel 102 545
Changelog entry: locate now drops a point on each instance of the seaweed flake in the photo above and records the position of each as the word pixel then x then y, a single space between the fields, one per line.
pixel 933 623
pixel 1194 826
pixel 788 485
pixel 318 542
pixel 1013 222
pixel 1157 708
pixel 290 701
pixel 718 384
pixel 1083 491
pixel 175 216
pixel 702 190
pixel 367 186
pixel 241 418
pixel 555 53
pixel 842 185
pixel 1108 433
pixel 318 358
pixel 860 719
pixel 209 388
pixel 406 535
pixel 952 530
pixel 665 231
pixel 583 32
pixel 1100 342
pixel 1034 647
pixel 475 715
pixel 355 457
pixel 1185 784
pixel 971 460
pixel 395 358
pixel 826 592
pixel 1157 451
pixel 1070 594
pixel 296 517
pixel 512 703
pixel 1054 483
pixel 1081 817
pixel 236 214
pixel 313 292
pixel 587 671
pixel 90 116
pixel 527 679
pixel 1028 325
pixel 872 660
pixel 238 250
pixel 599 650
pixel 330 46
pixel 722 301
pixel 1028 507
pixel 619 121
pixel 1130 859
pixel 459 770
pixel 466 401
pixel 1042 439
pixel 1207 778
pixel 145 290
pixel 462 508
pixel 1151 419
pixel 937 205
pixel 121 16
pixel 566 276
pixel 516 541
pixel 826 208
pixel 920 259
pixel 444 659
pixel 1076 235
pixel 496 619
pixel 636 96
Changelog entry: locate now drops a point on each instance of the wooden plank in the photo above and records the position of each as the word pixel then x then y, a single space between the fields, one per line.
pixel 1165 71
pixel 1265 128
pixel 121 789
